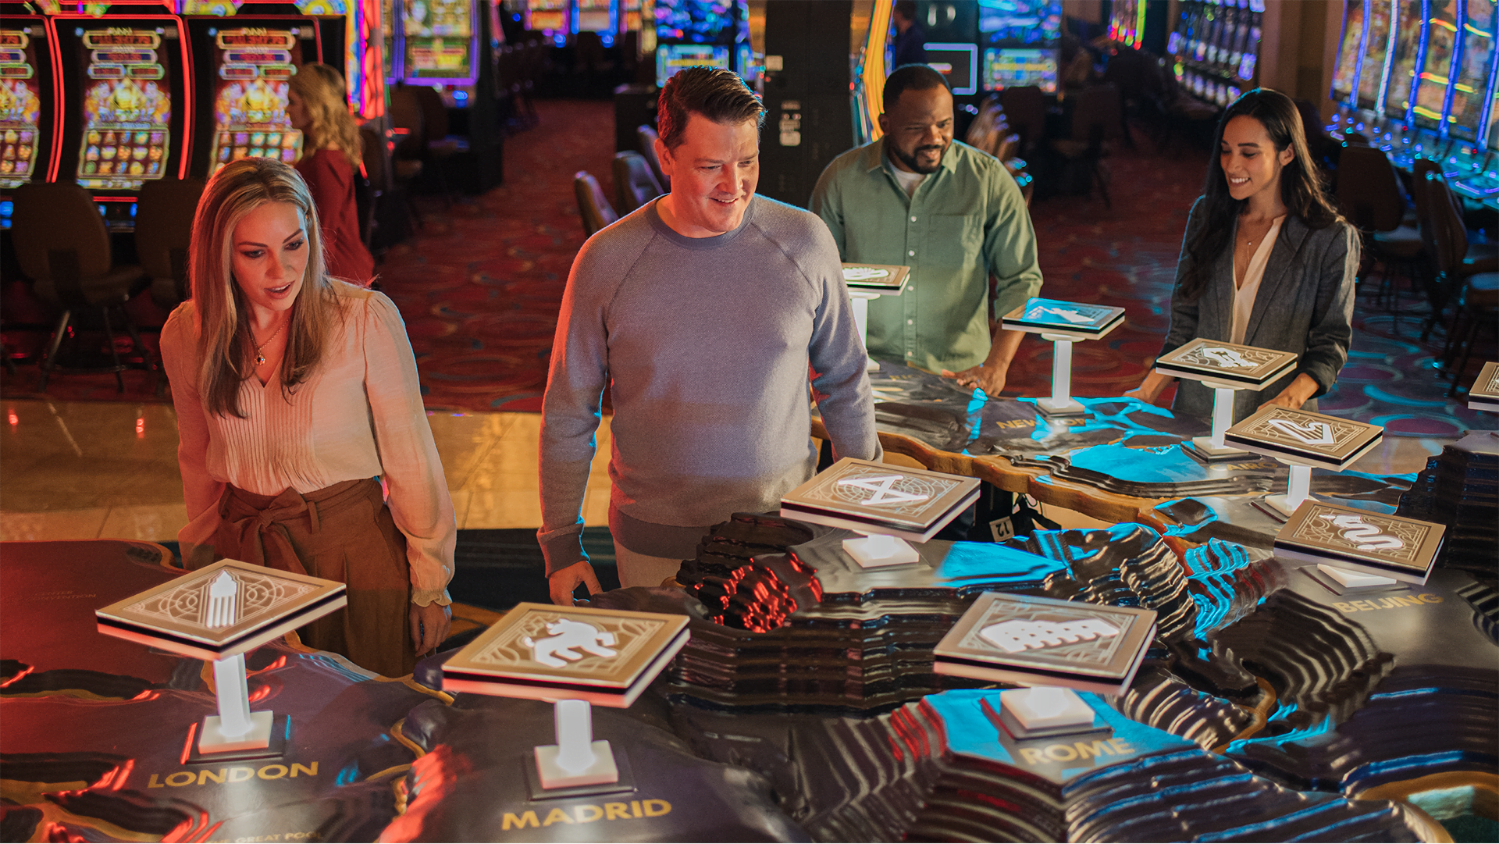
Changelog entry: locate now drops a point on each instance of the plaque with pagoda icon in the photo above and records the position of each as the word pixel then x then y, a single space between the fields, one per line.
pixel 1362 540
pixel 547 652
pixel 876 278
pixel 1070 319
pixel 1244 367
pixel 1305 437
pixel 872 497
pixel 1484 394
pixel 221 610
pixel 1032 641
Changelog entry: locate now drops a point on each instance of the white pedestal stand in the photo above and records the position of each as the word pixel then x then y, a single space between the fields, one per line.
pixel 861 300
pixel 576 759
pixel 1212 448
pixel 1297 491
pixel 235 727
pixel 878 550
pixel 1061 402
pixel 1041 711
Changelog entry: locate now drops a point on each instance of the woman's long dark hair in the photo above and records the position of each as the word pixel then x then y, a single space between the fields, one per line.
pixel 1300 184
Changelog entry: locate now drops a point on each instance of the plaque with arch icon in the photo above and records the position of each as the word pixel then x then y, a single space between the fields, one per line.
pixel 221 610
pixel 875 497
pixel 547 652
pixel 1230 364
pixel 1033 641
pixel 1305 437
pixel 1377 543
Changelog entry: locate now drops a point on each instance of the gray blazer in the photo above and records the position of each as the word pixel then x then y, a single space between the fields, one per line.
pixel 1304 305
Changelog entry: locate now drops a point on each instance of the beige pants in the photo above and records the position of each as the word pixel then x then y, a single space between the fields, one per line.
pixel 642 569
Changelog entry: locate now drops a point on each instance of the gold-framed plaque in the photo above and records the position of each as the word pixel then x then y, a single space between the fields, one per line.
pixel 1484 394
pixel 1070 319
pixel 1247 367
pixel 876 278
pixel 1033 641
pixel 547 652
pixel 1305 437
pixel 228 608
pixel 1376 543
pixel 875 497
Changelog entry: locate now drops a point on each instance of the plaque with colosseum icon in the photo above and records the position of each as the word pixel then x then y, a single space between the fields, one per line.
pixel 1377 543
pixel 1032 641
pixel 1302 436
pixel 1246 367
pixel 876 278
pixel 1484 394
pixel 881 498
pixel 1070 319
pixel 547 652
pixel 224 609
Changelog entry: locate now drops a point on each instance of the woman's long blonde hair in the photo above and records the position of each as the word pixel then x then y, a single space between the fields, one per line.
pixel 223 316
pixel 329 124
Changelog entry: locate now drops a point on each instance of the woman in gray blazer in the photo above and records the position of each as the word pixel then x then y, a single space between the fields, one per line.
pixel 1267 261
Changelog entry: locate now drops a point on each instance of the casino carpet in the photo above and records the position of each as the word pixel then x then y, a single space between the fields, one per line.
pixel 480 283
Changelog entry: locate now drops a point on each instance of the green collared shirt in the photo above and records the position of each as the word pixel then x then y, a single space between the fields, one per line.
pixel 962 223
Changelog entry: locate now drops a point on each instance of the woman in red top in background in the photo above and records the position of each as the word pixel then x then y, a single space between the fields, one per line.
pixel 330 156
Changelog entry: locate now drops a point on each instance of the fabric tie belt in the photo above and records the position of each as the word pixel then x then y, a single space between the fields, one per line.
pixel 256 524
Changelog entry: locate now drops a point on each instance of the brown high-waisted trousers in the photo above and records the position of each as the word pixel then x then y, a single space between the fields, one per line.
pixel 343 532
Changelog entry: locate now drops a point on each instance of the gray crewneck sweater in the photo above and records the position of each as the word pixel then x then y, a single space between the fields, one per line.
pixel 705 344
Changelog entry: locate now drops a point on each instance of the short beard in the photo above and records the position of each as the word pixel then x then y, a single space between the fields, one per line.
pixel 911 162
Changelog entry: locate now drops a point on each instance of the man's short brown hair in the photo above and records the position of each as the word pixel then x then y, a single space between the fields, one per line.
pixel 717 94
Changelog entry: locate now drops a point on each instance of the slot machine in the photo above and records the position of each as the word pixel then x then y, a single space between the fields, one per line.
pixel 125 82
pixel 1433 81
pixel 701 32
pixel 552 18
pixel 601 16
pixel 1401 139
pixel 1020 44
pixel 29 119
pixel 1345 71
pixel 440 44
pixel 1469 166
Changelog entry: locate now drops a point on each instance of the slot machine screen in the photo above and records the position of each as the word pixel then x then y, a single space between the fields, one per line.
pixel 20 103
pixel 127 108
pixel 253 72
pixel 595 16
pixel 671 58
pixel 1018 68
pixel 1436 67
pixel 439 37
pixel 1376 48
pixel 1473 77
pixel 549 16
pixel 634 19
pixel 1410 31
pixel 1348 51
pixel 958 64
pixel 1492 136
pixel 1020 22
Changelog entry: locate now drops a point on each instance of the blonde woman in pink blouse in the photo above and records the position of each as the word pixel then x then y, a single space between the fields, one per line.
pixel 296 396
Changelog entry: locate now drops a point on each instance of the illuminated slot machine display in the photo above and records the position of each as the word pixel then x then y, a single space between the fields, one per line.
pixel 1434 78
pixel 1215 47
pixel 129 105
pixel 1378 38
pixel 701 32
pixel 1345 71
pixel 1127 22
pixel 601 16
pixel 28 122
pixel 1020 42
pixel 1470 167
pixel 633 15
pixel 1006 67
pixel 253 70
pixel 551 17
pixel 440 42
pixel 1400 139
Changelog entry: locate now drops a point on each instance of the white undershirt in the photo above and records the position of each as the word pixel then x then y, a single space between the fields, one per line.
pixel 908 181
pixel 1244 293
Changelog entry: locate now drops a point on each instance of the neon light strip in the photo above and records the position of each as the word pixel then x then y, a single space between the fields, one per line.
pixel 1358 65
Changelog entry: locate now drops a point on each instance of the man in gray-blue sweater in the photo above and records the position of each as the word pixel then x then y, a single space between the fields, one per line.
pixel 701 312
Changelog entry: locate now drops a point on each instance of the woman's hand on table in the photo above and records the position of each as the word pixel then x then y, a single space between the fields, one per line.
pixel 430 626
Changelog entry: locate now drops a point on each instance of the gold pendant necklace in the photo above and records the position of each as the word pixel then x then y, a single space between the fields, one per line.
pixel 260 358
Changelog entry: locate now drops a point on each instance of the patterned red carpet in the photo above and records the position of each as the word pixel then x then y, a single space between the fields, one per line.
pixel 479 286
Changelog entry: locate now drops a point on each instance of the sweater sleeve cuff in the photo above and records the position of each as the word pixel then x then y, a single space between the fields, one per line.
pixel 562 547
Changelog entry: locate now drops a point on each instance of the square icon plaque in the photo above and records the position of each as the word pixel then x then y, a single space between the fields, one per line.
pixel 1301 436
pixel 876 278
pixel 1484 394
pixel 874 497
pixel 1376 543
pixel 1033 641
pixel 1243 367
pixel 1071 319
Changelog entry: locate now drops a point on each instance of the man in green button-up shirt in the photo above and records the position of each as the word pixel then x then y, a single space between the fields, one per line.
pixel 952 214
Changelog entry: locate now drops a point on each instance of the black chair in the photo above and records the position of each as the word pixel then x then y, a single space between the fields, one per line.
pixel 1471 285
pixel 592 206
pixel 1025 111
pixel 634 183
pixel 1368 192
pixel 646 136
pixel 1095 119
pixel 61 244
pixel 163 233
pixel 437 146
pixel 375 155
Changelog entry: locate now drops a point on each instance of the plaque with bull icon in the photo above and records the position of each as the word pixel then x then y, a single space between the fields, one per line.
pixel 1484 394
pixel 1071 319
pixel 225 609
pixel 875 497
pixel 547 652
pixel 876 278
pixel 1376 543
pixel 1031 641
pixel 1301 436
pixel 1244 367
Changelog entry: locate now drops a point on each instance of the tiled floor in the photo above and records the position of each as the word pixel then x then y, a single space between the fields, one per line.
pixel 84 470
